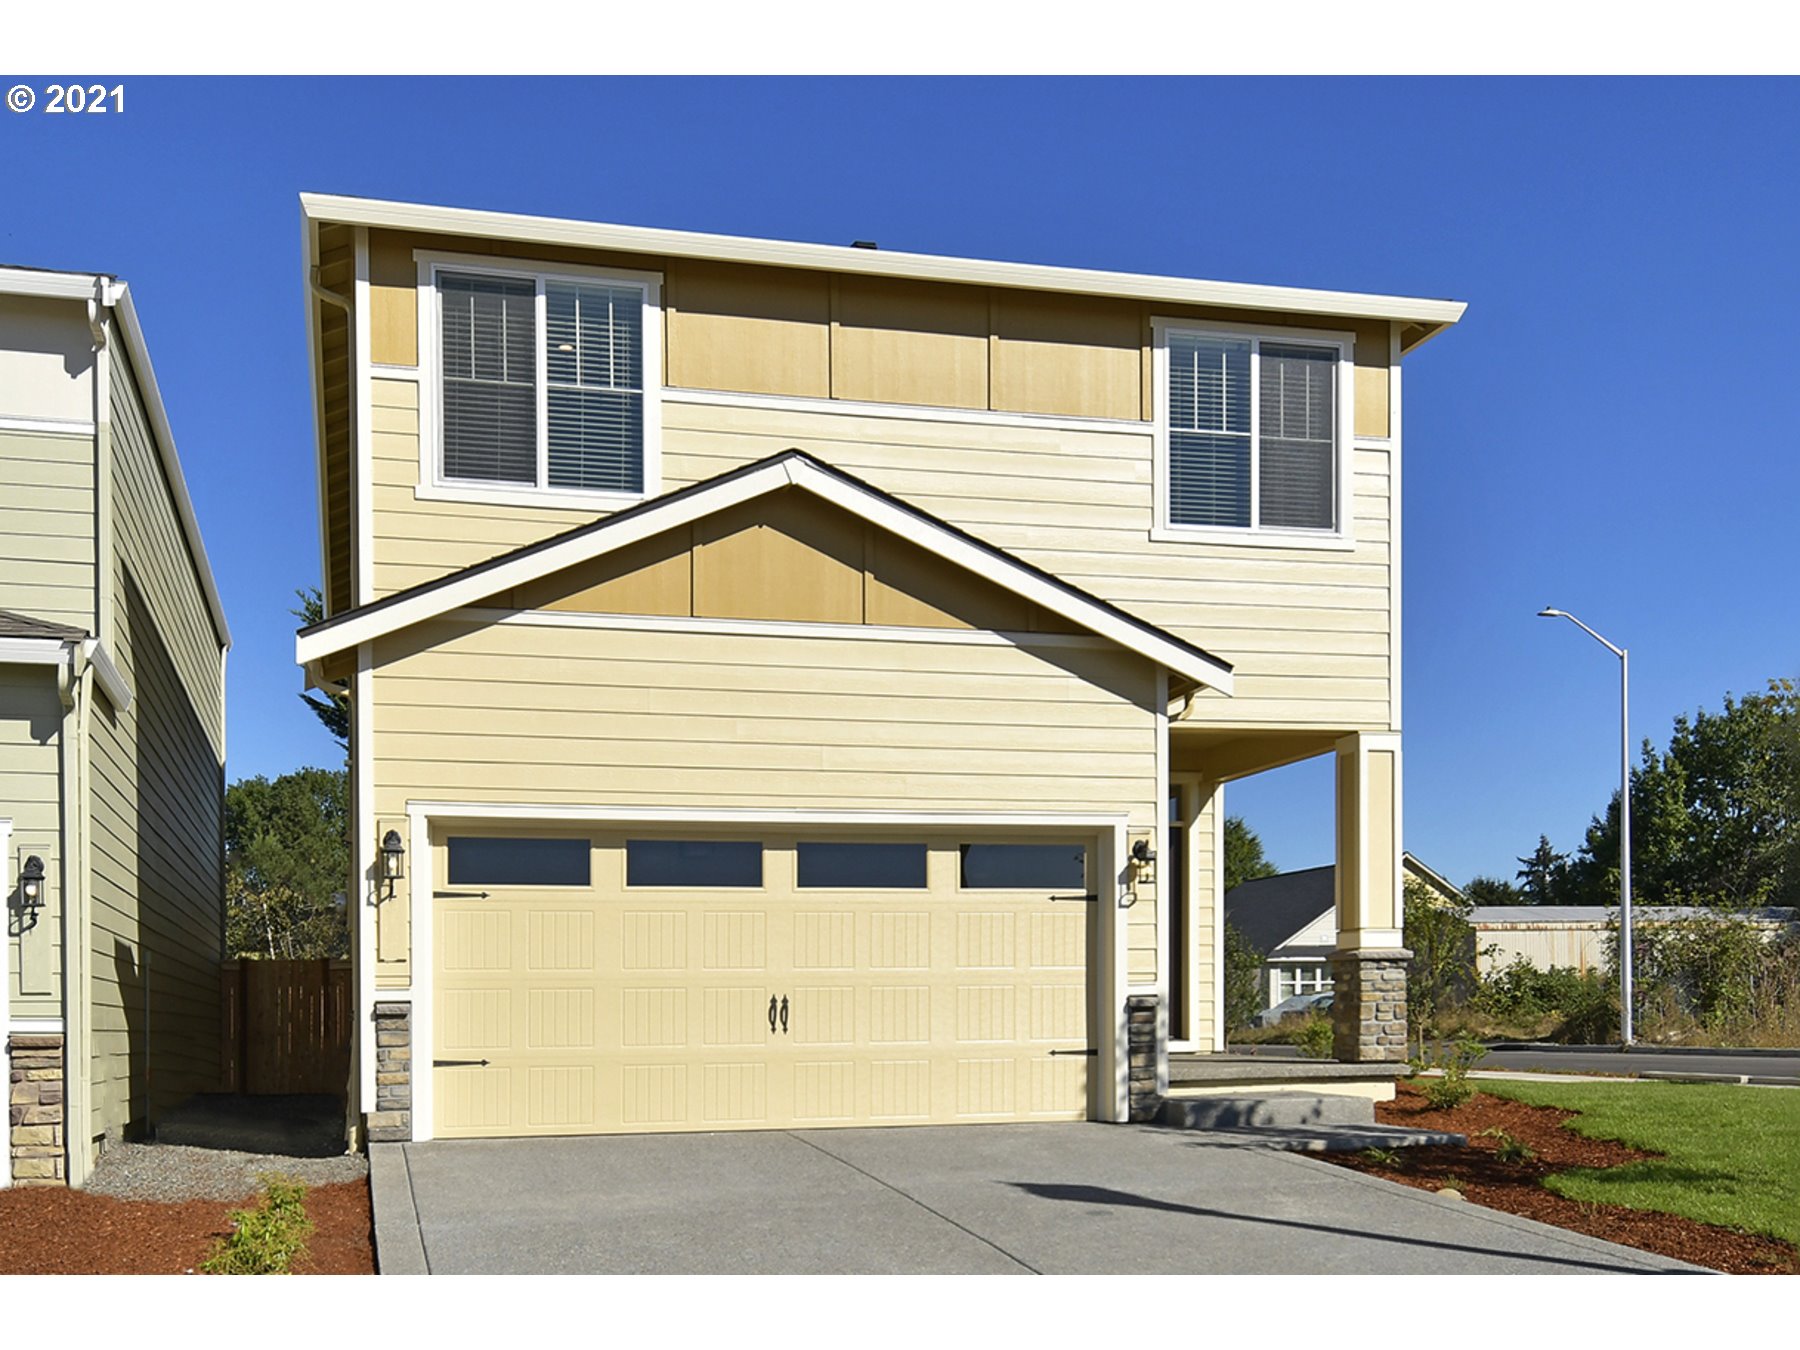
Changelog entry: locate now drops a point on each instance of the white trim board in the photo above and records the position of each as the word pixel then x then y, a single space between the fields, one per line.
pixel 48 426
pixel 864 632
pixel 513 228
pixel 1107 963
pixel 790 469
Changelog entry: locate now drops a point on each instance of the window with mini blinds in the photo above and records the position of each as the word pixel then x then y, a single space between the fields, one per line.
pixel 1254 432
pixel 541 382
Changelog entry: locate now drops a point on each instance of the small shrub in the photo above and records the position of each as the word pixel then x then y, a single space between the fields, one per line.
pixel 1314 1038
pixel 1383 1157
pixel 266 1240
pixel 1506 1148
pixel 1452 1087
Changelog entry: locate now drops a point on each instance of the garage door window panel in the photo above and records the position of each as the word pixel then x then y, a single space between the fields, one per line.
pixel 861 866
pixel 721 863
pixel 482 861
pixel 1021 867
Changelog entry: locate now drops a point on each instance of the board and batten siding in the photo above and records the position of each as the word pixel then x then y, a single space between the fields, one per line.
pixel 31 731
pixel 157 774
pixel 47 564
pixel 500 713
pixel 1307 630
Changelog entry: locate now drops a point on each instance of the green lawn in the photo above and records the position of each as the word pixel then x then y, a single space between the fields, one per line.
pixel 1732 1153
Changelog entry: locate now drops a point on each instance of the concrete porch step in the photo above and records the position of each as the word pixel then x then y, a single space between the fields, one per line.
pixel 1329 1138
pixel 1266 1110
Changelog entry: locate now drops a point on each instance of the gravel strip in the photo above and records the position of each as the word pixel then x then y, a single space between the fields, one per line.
pixel 174 1172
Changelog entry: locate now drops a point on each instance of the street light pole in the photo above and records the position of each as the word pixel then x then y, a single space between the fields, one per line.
pixel 1625 1021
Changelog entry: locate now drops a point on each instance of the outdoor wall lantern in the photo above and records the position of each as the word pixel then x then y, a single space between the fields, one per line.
pixel 393 860
pixel 31 885
pixel 1142 857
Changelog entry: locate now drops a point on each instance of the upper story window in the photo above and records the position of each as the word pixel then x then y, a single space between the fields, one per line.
pixel 1253 434
pixel 546 383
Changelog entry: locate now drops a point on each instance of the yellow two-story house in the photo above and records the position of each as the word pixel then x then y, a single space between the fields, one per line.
pixel 796 684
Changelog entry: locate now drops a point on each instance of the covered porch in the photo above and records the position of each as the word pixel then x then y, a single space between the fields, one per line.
pixel 1368 963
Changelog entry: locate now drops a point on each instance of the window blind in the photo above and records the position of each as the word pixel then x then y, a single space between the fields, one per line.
pixel 594 338
pixel 490 378
pixel 1209 430
pixel 1297 487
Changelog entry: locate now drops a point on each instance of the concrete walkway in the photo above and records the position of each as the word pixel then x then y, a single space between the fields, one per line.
pixel 998 1199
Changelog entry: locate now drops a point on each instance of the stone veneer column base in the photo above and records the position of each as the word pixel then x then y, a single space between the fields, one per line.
pixel 1368 1006
pixel 391 1120
pixel 1141 1053
pixel 35 1111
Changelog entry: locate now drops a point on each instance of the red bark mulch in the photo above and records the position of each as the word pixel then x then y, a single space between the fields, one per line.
pixel 50 1230
pixel 1517 1187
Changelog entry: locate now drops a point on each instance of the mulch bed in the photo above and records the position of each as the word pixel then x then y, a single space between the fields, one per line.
pixel 1517 1187
pixel 54 1231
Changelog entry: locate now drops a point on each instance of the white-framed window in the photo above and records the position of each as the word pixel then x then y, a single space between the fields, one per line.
pixel 541 384
pixel 1253 434
pixel 1307 979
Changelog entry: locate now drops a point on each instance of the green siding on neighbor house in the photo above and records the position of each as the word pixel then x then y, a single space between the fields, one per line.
pixel 47 526
pixel 157 777
pixel 30 793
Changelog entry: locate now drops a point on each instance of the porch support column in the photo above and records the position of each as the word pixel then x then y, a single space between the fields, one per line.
pixel 1368 968
pixel 1201 893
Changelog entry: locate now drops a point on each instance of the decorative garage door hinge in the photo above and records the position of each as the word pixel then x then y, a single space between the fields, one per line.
pixel 1088 1053
pixel 1079 899
pixel 458 1063
pixel 460 895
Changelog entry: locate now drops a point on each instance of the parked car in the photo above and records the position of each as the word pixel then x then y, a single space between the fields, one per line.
pixel 1300 1005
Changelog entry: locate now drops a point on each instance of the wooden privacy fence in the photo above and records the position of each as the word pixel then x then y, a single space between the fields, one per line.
pixel 287 1026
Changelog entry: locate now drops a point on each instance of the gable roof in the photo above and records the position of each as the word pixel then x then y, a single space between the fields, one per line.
pixel 790 468
pixel 1422 318
pixel 1270 910
pixel 15 625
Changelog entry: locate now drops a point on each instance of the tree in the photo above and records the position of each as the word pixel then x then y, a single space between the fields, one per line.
pixel 1716 816
pixel 333 709
pixel 1243 979
pixel 287 858
pixel 1442 943
pixel 1244 860
pixel 1492 891
pixel 1543 875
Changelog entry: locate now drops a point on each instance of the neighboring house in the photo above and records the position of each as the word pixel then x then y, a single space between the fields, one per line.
pixel 772 664
pixel 112 735
pixel 1574 936
pixel 1291 919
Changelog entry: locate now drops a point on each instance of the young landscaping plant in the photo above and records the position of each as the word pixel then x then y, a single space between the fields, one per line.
pixel 266 1240
pixel 1314 1038
pixel 1508 1149
pixel 1453 1087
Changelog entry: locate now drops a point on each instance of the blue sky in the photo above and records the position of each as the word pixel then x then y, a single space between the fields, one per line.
pixel 1611 429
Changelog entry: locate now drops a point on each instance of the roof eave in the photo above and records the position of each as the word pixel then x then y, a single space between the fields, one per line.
pixel 1438 314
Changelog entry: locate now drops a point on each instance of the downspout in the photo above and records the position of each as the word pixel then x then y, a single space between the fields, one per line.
pixel 329 297
pixel 75 685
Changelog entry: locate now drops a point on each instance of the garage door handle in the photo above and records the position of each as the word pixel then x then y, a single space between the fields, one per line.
pixel 458 1063
pixel 1079 899
pixel 1086 1054
pixel 771 1014
pixel 784 1014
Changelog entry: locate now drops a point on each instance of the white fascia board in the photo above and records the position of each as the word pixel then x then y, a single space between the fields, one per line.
pixel 787 471
pixel 111 681
pixel 51 285
pixel 145 375
pixel 873 262
pixel 24 651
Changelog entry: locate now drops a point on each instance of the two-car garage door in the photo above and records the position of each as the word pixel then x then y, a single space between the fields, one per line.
pixel 634 981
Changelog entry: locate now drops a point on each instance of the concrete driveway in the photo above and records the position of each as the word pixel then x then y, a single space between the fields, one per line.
pixel 999 1199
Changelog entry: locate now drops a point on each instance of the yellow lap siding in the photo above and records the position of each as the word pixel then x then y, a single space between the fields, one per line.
pixel 577 716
